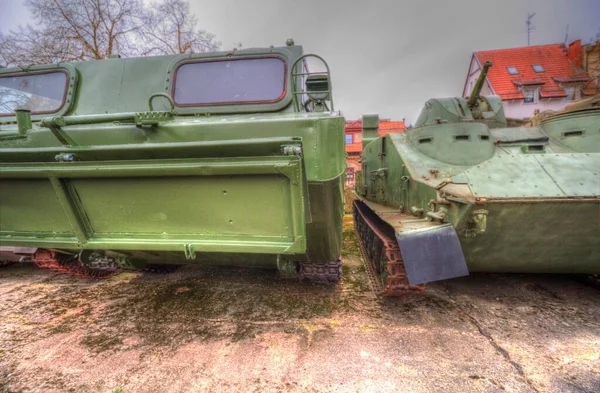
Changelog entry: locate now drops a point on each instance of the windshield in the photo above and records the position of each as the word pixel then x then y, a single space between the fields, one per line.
pixel 41 93
pixel 231 81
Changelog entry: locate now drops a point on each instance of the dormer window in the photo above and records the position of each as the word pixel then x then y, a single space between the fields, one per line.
pixel 529 96
pixel 512 70
pixel 538 68
pixel 573 92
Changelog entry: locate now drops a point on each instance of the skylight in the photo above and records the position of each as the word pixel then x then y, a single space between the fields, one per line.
pixel 538 68
pixel 512 70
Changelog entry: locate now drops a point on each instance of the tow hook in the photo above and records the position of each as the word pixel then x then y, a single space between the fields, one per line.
pixel 480 219
pixel 439 215
pixel 477 223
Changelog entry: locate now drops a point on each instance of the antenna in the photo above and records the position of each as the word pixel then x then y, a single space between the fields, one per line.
pixel 530 27
pixel 567 36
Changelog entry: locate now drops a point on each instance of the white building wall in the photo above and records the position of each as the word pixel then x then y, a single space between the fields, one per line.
pixel 519 110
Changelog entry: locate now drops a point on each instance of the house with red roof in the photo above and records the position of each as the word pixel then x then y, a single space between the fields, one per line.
pixel 545 77
pixel 354 143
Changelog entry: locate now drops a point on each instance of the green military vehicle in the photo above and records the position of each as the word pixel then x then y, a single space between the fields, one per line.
pixel 232 158
pixel 460 192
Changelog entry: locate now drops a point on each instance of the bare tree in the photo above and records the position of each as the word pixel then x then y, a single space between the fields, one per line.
pixel 68 30
pixel 28 45
pixel 170 28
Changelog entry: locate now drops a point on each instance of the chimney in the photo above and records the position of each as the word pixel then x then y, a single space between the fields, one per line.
pixel 575 55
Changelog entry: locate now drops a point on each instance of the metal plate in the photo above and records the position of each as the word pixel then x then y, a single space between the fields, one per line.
pixel 575 174
pixel 536 175
pixel 432 254
pixel 505 176
pixel 157 205
pixel 518 135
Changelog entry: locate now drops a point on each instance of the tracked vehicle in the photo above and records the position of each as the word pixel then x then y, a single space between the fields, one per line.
pixel 232 158
pixel 460 192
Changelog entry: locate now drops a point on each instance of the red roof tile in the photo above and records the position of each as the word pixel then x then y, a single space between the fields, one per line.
pixel 553 58
pixel 385 126
pixel 392 125
pixel 353 125
pixel 354 128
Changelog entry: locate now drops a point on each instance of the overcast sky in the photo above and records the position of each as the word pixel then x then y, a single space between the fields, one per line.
pixel 386 56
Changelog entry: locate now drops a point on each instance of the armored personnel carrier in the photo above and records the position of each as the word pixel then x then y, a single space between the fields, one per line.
pixel 232 158
pixel 460 192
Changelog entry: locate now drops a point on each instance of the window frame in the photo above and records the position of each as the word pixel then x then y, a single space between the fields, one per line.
pixel 540 67
pixel 281 97
pixel 578 91
pixel 534 95
pixel 65 90
pixel 515 68
pixel 570 92
pixel 68 97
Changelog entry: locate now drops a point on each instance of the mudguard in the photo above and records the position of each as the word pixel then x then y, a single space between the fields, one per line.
pixel 432 254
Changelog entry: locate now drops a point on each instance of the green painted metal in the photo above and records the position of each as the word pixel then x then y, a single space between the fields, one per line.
pixel 23 120
pixel 523 199
pixel 370 124
pixel 121 168
pixel 474 98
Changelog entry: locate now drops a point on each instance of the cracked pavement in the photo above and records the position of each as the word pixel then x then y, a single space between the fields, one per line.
pixel 230 330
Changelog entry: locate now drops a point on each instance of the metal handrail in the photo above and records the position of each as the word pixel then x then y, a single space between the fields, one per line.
pixel 296 74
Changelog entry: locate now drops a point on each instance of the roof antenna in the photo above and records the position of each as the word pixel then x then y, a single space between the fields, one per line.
pixel 567 36
pixel 530 27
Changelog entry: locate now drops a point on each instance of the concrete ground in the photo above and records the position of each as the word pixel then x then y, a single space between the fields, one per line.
pixel 236 330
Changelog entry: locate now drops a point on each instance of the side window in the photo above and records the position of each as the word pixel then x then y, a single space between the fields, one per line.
pixel 573 92
pixel 230 81
pixel 529 95
pixel 40 92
